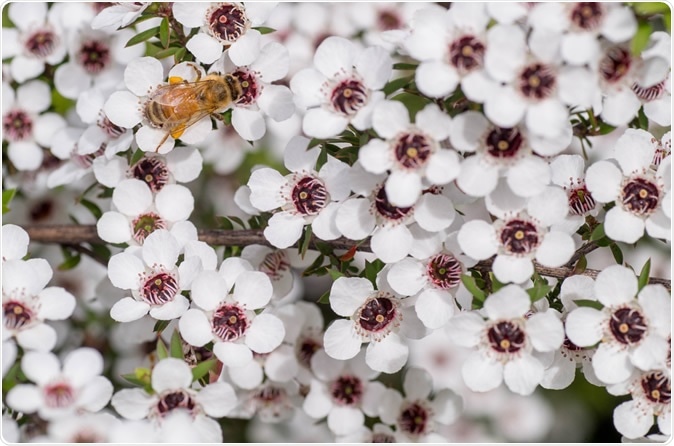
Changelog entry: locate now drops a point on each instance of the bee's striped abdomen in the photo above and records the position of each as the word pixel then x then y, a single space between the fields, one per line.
pixel 157 114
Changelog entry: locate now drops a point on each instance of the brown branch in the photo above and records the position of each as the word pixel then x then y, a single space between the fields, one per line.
pixel 75 235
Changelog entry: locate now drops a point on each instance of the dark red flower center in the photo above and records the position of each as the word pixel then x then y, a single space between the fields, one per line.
pixel 503 143
pixel 467 53
pixel 113 130
pixel 275 264
pixel 519 237
pixel 153 171
pixel 414 419
pixel 146 224
pixel 348 96
pixel 615 64
pixel 657 387
pixel 17 125
pixel 16 315
pixel 59 395
pixel 628 325
pixel 94 56
pixel 386 209
pixel 250 87
pixel 227 22
pixel 177 399
pixel 648 94
pixel 412 150
pixel 444 271
pixel 229 322
pixel 347 390
pixel 587 16
pixel 41 43
pixel 640 196
pixel 506 337
pixel 377 313
pixel 159 289
pixel 537 81
pixel 580 201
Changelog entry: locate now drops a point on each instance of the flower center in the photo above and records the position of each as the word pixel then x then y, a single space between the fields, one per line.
pixel 349 96
pixel 85 161
pixel 506 337
pixel 640 196
pixel 386 209
pixel 250 87
pixel 94 56
pixel 229 322
pixel 388 19
pixel 41 43
pixel 570 345
pixel 59 395
pixel 153 171
pixel 657 387
pixel 444 271
pixel 412 150
pixel 580 201
pixel 17 125
pixel 305 348
pixel 650 93
pixel 519 237
pixel 309 196
pixel 627 325
pixel 146 224
pixel 504 143
pixel 227 22
pixel 16 315
pixel 176 399
pixel 537 81
pixel 159 289
pixel 662 151
pixel 271 396
pixel 274 264
pixel 347 390
pixel 615 64
pixel 382 437
pixel 112 130
pixel 466 53
pixel 414 418
pixel 378 314
pixel 587 16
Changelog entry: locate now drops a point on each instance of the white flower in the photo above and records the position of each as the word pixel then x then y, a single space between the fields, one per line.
pixel 275 263
pixel 656 98
pixel 37 40
pixel 631 332
pixel 127 109
pixel 137 212
pixel 172 392
pixel 224 26
pixel 182 166
pixel 96 60
pixel 228 318
pixel 343 391
pixel 280 365
pixel 82 428
pixel 651 397
pixel 101 132
pixel 271 401
pixel 411 152
pixel 642 196
pixel 374 317
pixel 575 27
pixel 224 149
pixel 26 304
pixel 568 172
pixel 500 151
pixel 14 242
pixel 507 343
pixel 153 277
pixel 451 45
pixel 418 415
pixel 61 391
pixel 259 97
pixel 75 166
pixel 519 236
pixel 304 196
pixel 25 125
pixel 118 15
pixel 663 149
pixel 380 433
pixel 342 88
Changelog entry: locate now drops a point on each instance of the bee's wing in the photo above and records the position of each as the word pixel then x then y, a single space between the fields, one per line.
pixel 176 94
pixel 185 96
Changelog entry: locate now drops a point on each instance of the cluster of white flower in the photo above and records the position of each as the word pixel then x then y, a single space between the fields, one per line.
pixel 436 162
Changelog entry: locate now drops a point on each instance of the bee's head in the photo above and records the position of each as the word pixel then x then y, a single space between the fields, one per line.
pixel 234 86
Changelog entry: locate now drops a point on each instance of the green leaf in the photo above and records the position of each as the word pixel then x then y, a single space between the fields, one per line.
pixel 589 303
pixel 180 54
pixel 7 196
pixel 325 298
pixel 143 36
pixel 405 66
pixel 643 275
pixel 130 377
pixel 70 260
pixel 201 370
pixel 495 284
pixel 224 223
pixel 643 120
pixel 581 265
pixel 372 269
pixel 539 291
pixel 227 116
pixel 397 84
pixel 176 345
pixel 617 253
pixel 471 286
pixel 265 30
pixel 335 274
pixel 92 207
pixel 159 326
pixel 164 33
pixel 167 52
pixel 598 233
pixel 162 352
pixel 306 240
pixel 312 269
pixel 640 39
pixel 650 8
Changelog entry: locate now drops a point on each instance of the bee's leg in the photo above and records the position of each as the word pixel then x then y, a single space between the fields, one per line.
pixel 162 142
pixel 178 131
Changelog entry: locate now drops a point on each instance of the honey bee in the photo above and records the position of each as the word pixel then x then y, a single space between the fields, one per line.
pixel 179 104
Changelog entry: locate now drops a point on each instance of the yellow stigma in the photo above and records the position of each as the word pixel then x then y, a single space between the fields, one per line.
pixel 467 50
pixel 534 81
pixel 347 93
pixel 505 344
pixel 232 319
pixel 245 84
pixel 418 420
pixel 379 318
pixel 17 310
pixel 157 282
pixel 348 390
pixel 412 152
pixel 502 145
pixel 519 235
pixel 303 195
pixel 643 193
pixel 586 12
pixel 623 328
pixel 655 393
pixel 148 178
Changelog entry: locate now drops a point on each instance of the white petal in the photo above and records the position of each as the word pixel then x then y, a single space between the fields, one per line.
pixel 345 420
pixel 321 123
pixel 231 268
pixel 545 331
pixel 390 118
pixel 281 364
pixel 434 122
pixel 656 303
pixel 583 326
pixel 348 294
pixel 272 63
pixel 374 64
pixel 195 328
pixel 651 353
pixel 634 150
pixel 55 303
pixel 284 229
pixel 23 68
pixel 253 289
pixel 25 398
pixel 217 399
pixel 318 403
pixel 132 404
pixel 623 226
pixel 388 355
pixel 547 118
pixel 436 79
pixel 246 49
pixel 123 109
pixel 549 207
pixel 555 250
pixel 185 164
pixel 40 367
pixel 466 131
pixel 630 421
pixel 265 333
pixel 615 285
pixel 190 14
pixel 510 302
pixel 619 24
pixel 477 239
pixel 619 108
pixel 391 244
pixel 205 48
pixel 129 309
pixel 446 406
pixel 171 374
pixel 132 197
pixel 265 189
pixel 76 371
pixel 154 140
pixel 523 375
pixel 480 373
pixel 40 337
pixel 403 188
pixel 341 340
pixel 465 329
pixel 434 308
pixel 529 176
pixel 375 156
pixel 277 102
pixel 611 364
pixel 579 48
pixel 354 219
pixel 208 290
pixel 248 123
pixel 407 277
pixel 477 178
pixel 231 354
pixel 14 242
pixel 324 225
pixel 443 167
pixel 33 96
pixel 25 155
pixel 334 55
pixel 249 376
pixel 161 248
pixel 143 74
pixel 603 181
pixel 124 271
pixel 174 202
pixel 504 108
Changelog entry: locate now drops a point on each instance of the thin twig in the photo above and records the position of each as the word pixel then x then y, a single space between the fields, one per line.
pixel 77 234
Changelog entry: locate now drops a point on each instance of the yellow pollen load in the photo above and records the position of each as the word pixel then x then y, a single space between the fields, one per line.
pixel 505 344
pixel 379 318
pixel 643 193
pixel 175 80
pixel 534 81
pixel 623 328
pixel 232 319
pixel 347 93
pixel 655 393
pixel 148 178
pixel 412 152
pixel 519 235
pixel 157 282
pixel 467 50
pixel 303 195
pixel 17 310
pixel 502 145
